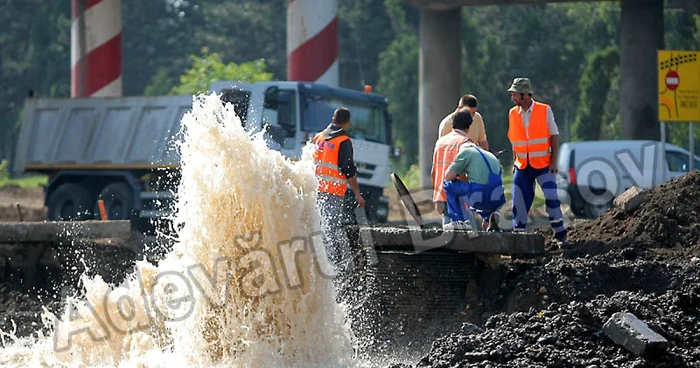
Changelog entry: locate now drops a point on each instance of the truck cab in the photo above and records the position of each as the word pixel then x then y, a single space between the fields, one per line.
pixel 293 112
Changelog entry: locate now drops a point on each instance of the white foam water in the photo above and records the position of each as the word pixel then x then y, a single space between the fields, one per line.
pixel 242 286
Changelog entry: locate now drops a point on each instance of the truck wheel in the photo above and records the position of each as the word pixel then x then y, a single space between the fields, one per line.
pixel 69 202
pixel 119 201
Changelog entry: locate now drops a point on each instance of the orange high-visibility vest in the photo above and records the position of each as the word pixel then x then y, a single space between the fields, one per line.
pixel 446 150
pixel 531 148
pixel 331 180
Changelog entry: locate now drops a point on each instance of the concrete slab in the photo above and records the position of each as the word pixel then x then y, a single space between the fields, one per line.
pixel 417 240
pixel 34 232
pixel 631 199
pixel 629 331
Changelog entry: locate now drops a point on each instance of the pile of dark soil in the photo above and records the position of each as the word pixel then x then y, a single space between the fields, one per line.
pixel 550 312
pixel 669 218
pixel 570 335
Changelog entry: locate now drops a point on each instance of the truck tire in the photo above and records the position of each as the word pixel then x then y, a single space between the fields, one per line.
pixel 118 199
pixel 69 202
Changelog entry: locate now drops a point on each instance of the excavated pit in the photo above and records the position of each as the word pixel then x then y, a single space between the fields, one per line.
pixel 551 313
pixel 545 311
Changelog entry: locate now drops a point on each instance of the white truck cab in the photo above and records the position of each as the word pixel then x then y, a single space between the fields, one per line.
pixel 292 113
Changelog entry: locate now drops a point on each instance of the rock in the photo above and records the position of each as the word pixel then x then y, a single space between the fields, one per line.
pixel 695 260
pixel 629 253
pixel 470 329
pixel 631 199
pixel 512 321
pixel 633 334
pixel 478 356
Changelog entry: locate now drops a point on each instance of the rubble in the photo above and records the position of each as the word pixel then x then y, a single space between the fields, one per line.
pixel 643 262
pixel 631 199
pixel 634 335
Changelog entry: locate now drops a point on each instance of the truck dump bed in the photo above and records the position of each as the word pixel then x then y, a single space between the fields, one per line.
pixel 126 133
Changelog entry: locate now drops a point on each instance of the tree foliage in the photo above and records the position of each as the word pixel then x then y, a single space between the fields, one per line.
pixel 209 68
pixel 398 80
pixel 600 71
pixel 552 44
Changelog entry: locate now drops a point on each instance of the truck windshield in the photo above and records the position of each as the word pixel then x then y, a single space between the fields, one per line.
pixel 368 122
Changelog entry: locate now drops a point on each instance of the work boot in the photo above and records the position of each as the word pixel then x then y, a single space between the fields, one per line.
pixel 493 222
pixel 562 240
pixel 457 225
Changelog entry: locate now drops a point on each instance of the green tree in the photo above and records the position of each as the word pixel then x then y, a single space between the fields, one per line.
pixel 365 32
pixel 210 68
pixel 398 80
pixel 600 71
pixel 157 35
pixel 161 84
pixel 243 30
pixel 34 55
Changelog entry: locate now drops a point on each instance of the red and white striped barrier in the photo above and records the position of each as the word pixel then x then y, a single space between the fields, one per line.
pixel 312 41
pixel 96 48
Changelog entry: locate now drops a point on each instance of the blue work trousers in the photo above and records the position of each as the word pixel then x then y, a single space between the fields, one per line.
pixel 482 199
pixel 524 193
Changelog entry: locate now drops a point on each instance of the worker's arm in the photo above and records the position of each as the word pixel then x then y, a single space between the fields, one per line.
pixel 483 142
pixel 554 143
pixel 346 164
pixel 356 190
pixel 450 175
pixel 553 140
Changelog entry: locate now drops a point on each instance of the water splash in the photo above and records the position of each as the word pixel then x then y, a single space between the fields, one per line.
pixel 242 286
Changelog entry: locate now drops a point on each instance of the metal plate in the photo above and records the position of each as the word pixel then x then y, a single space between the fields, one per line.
pixel 407 200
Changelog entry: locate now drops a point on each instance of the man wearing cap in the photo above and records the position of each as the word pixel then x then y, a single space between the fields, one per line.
pixel 534 135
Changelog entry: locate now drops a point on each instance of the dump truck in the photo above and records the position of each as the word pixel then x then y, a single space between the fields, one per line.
pixel 121 150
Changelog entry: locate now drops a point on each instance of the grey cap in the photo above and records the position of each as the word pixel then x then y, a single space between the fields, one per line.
pixel 521 85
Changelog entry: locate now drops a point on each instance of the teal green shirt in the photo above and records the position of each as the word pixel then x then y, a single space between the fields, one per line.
pixel 469 162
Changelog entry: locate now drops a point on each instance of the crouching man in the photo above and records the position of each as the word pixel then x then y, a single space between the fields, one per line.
pixel 473 183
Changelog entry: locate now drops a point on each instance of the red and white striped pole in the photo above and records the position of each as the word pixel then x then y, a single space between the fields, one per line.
pixel 312 41
pixel 96 48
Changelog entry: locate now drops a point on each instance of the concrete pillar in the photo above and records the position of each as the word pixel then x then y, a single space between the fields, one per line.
pixel 641 35
pixel 439 78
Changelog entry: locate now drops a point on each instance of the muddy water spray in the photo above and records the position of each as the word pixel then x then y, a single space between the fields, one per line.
pixel 241 287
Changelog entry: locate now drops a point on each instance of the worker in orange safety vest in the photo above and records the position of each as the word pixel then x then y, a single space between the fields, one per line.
pixel 336 171
pixel 534 135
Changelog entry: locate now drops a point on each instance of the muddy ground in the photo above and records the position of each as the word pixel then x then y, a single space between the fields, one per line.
pixel 551 313
pixel 546 312
pixel 30 201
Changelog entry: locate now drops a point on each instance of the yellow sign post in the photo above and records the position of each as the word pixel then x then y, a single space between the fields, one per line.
pixel 679 94
pixel 679 85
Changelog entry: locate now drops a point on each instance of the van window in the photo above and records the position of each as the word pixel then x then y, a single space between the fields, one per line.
pixel 679 162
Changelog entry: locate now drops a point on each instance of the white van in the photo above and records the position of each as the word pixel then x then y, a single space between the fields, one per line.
pixel 592 174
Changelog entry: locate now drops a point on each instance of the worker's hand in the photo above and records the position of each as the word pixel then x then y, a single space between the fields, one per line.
pixel 360 200
pixel 553 168
pixel 438 208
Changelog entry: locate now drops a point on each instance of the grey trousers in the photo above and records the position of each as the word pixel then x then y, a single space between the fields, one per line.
pixel 335 217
